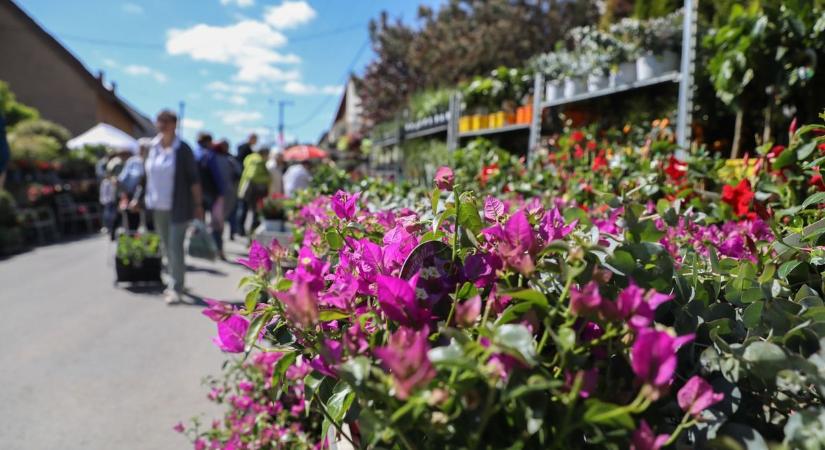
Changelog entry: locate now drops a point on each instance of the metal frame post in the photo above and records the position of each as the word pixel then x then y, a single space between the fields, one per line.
pixel 535 121
pixel 686 75
pixel 454 113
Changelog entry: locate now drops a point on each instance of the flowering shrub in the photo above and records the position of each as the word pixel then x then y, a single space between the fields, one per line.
pixel 635 314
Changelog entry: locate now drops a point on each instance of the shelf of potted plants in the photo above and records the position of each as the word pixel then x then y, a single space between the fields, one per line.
pixel 670 77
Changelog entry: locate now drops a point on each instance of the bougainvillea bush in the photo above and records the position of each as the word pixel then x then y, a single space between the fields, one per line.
pixel 639 317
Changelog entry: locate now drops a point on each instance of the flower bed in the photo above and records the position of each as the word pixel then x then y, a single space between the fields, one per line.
pixel 611 296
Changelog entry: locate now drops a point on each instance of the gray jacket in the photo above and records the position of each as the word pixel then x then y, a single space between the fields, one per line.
pixel 186 176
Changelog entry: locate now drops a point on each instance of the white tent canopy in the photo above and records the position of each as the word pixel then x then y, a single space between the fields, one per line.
pixel 106 135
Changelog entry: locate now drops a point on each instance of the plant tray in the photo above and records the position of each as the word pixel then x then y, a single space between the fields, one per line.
pixel 147 271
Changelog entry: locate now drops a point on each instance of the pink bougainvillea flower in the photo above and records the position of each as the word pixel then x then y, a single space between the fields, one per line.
pixel 552 226
pixel 310 270
pixel 178 427
pixel 399 299
pixel 697 395
pixel 637 307
pixel 258 258
pixel 342 290
pixel 216 310
pixel 231 334
pixel 406 358
pixel 644 438
pixel 481 268
pixel 589 383
pixel 653 356
pixel 301 304
pixel 468 311
pixel 328 358
pixel 514 242
pixel 493 209
pixel 344 203
pixel 444 178
pixel 586 301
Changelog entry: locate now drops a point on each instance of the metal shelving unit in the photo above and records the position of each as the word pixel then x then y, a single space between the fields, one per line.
pixel 673 76
pixel 683 76
pixel 504 129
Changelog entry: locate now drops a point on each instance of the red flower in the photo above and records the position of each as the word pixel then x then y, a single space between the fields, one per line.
pixel 821 147
pixel 776 150
pixel 591 145
pixel 577 136
pixel 816 181
pixel 675 169
pixel 579 153
pixel 486 172
pixel 738 197
pixel 599 161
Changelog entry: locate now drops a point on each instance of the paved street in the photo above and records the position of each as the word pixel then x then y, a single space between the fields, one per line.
pixel 87 365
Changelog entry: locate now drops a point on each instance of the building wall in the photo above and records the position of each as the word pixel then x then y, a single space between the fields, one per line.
pixel 108 112
pixel 42 77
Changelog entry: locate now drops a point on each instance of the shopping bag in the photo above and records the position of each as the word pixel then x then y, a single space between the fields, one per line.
pixel 201 245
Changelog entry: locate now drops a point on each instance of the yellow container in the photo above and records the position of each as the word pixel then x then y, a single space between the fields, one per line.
pixel 475 122
pixel 500 119
pixel 464 124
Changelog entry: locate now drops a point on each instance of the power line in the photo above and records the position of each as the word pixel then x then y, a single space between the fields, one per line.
pixel 157 45
pixel 329 98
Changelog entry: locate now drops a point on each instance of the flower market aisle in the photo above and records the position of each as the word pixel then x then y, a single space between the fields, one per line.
pixel 84 364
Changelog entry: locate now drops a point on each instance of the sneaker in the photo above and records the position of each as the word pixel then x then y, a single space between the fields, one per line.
pixel 171 297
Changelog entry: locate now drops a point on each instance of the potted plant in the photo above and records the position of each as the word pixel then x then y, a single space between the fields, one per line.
pixel 550 64
pixel 273 213
pixel 575 81
pixel 660 38
pixel 137 258
pixel 625 37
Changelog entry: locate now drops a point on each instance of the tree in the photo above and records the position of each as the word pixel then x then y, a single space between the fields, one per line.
pixel 462 39
pixel 12 110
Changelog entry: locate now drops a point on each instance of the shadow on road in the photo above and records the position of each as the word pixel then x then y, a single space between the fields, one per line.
pixel 208 270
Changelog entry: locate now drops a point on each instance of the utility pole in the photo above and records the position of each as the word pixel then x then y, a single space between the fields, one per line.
pixel 281 104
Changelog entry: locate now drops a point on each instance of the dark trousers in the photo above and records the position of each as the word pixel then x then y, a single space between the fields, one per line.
pixel 132 222
pixel 240 218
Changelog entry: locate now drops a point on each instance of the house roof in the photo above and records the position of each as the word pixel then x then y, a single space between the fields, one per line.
pixel 141 121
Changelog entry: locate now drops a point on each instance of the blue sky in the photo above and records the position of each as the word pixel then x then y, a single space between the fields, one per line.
pixel 230 61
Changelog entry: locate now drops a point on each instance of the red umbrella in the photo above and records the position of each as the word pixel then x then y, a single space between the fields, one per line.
pixel 303 153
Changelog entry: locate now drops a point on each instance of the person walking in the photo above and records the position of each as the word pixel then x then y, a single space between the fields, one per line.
pixel 254 183
pixel 173 193
pixel 296 178
pixel 244 150
pixel 130 184
pixel 275 165
pixel 107 196
pixel 226 167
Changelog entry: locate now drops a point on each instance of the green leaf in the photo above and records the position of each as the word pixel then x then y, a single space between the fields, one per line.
pixel 765 359
pixel 334 240
pixel 787 268
pixel 356 370
pixel 254 329
pixel 530 295
pixel 337 405
pixel 434 197
pixel 251 299
pixel 328 315
pixel 805 150
pixel 517 339
pixel 468 216
pixel 604 413
pixel 817 198
pixel 283 285
pixel 753 314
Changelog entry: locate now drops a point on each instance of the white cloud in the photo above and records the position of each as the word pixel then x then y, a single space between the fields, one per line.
pixel 109 62
pixel 299 88
pixel 289 14
pixel 239 3
pixel 237 117
pixel 230 98
pixel 192 125
pixel 220 86
pixel 132 8
pixel 249 45
pixel 139 71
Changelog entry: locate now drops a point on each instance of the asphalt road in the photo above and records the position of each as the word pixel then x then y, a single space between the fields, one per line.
pixel 87 365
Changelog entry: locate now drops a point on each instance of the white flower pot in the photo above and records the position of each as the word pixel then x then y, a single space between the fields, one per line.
pixel 650 65
pixel 625 74
pixel 596 82
pixel 553 90
pixel 574 86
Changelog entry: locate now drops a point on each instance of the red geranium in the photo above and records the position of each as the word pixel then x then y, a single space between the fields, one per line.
pixel 486 172
pixel 675 169
pixel 579 153
pixel 599 161
pixel 739 197
pixel 577 136
pixel 591 145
